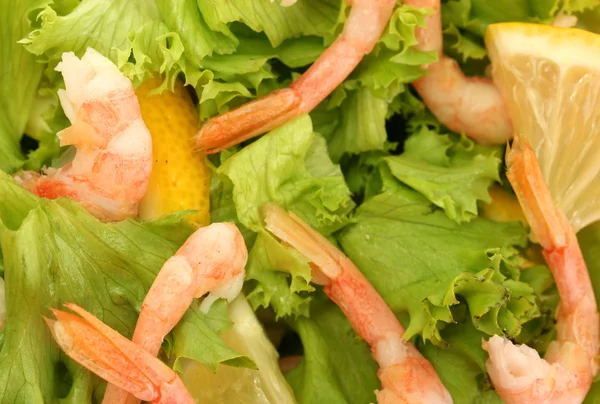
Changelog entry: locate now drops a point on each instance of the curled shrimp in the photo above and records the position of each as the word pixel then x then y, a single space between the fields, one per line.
pixel 405 375
pixel 362 30
pixel 111 169
pixel 469 105
pixel 565 376
pixel 211 261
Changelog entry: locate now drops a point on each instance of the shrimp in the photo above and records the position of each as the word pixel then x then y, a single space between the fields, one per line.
pixel 211 261
pixel 111 169
pixel 565 376
pixel 405 375
pixel 113 357
pixel 469 105
pixel 364 26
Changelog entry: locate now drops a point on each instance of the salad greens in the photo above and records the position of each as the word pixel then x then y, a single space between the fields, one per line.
pixel 370 168
pixel 55 252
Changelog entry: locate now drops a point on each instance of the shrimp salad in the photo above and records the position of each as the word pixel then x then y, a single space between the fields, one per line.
pixel 305 201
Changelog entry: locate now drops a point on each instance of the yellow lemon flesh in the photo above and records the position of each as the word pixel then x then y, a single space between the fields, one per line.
pixel 504 207
pixel 180 181
pixel 550 79
pixel 180 177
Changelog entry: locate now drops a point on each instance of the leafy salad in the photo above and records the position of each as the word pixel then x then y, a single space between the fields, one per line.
pixel 424 212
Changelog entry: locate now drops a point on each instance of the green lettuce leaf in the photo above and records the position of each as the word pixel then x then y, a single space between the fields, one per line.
pixel 353 119
pixel 465 21
pixel 462 368
pixel 588 240
pixel 19 78
pixel 496 302
pixel 304 18
pixel 452 174
pixel 337 366
pixel 410 251
pixel 55 252
pixel 278 277
pixel 289 166
pixel 227 62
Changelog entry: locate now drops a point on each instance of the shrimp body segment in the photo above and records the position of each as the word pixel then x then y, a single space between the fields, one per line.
pixel 111 169
pixel 565 376
pixel 113 357
pixel 211 261
pixel 468 105
pixel 405 375
pixel 365 24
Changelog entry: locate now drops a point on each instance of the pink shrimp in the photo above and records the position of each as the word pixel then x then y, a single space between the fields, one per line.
pixel 406 376
pixel 111 169
pixel 211 261
pixel 468 105
pixel 114 358
pixel 518 373
pixel 363 28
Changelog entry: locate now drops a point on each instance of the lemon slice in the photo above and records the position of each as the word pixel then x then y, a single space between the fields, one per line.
pixel 180 177
pixel 550 79
pixel 241 385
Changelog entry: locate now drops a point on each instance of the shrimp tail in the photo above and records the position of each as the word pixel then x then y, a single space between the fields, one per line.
pixel 248 121
pixel 406 376
pixel 97 347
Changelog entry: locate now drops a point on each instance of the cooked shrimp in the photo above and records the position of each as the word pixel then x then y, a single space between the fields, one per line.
pixel 113 357
pixel 518 373
pixel 2 304
pixel 211 261
pixel 469 105
pixel 363 28
pixel 406 376
pixel 111 169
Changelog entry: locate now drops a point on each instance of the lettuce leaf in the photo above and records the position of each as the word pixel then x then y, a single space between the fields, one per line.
pixel 353 119
pixel 462 368
pixel 452 174
pixel 465 21
pixel 337 365
pixel 55 252
pixel 289 166
pixel 304 18
pixel 588 240
pixel 410 251
pixel 19 78
pixel 278 277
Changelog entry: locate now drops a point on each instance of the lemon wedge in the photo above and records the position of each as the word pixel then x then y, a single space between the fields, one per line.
pixel 550 79
pixel 180 177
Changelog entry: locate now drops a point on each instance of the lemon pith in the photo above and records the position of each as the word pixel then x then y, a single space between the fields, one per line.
pixel 550 79
pixel 180 176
